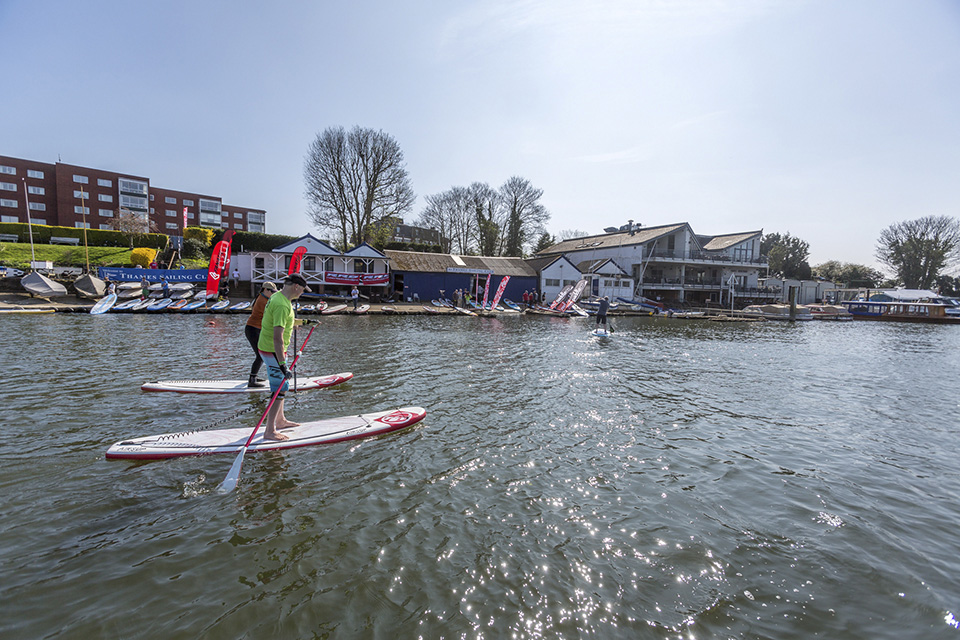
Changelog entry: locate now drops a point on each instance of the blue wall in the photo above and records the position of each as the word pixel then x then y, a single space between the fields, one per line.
pixel 427 285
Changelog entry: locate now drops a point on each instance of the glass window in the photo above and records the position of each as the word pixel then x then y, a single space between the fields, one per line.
pixel 171 213
pixel 9 219
pixel 105 197
pixel 106 213
pixel 38 206
pixel 8 186
pixel 225 225
pixel 172 225
pixel 106 227
pixel 238 216
pixel 309 263
pixel 256 228
pixel 31 173
pixel 238 226
pixel 103 182
pixel 188 203
pixel 258 263
pixel 209 206
pixel 133 202
pixel 81 179
pixel 170 200
pixel 190 215
pixel 79 209
pixel 37 191
pixel 38 220
pixel 81 225
pixel 8 170
pixel 9 203
pixel 135 187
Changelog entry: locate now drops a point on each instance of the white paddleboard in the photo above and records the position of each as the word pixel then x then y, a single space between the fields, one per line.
pixel 304 383
pixel 361 309
pixel 103 304
pixel 160 304
pixel 335 308
pixel 600 333
pixel 223 304
pixel 197 443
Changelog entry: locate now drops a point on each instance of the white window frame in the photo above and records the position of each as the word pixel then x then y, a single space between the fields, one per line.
pixel 103 182
pixel 13 204
pixel 81 179
pixel 81 225
pixel 81 210
pixel 9 218
pixel 10 171
pixel 106 213
pixel 170 200
pixel 38 206
pixel 105 197
pixel 37 191
pixel 8 186
pixel 33 173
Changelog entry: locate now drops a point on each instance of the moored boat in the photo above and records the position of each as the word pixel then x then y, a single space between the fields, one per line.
pixel 923 312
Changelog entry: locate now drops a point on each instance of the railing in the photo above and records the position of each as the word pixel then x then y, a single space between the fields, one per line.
pixel 704 257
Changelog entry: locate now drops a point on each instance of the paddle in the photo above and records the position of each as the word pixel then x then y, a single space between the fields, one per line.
pixel 233 476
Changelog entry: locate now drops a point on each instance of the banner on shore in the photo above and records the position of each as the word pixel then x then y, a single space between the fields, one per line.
pixel 121 274
pixel 360 279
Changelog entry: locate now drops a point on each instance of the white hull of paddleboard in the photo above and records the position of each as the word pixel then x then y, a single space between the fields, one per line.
pixel 104 304
pixel 198 443
pixel 240 386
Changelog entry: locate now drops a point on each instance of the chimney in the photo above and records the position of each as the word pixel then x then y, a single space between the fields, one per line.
pixel 630 223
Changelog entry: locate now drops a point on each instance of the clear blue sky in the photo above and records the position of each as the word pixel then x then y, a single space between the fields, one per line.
pixel 828 119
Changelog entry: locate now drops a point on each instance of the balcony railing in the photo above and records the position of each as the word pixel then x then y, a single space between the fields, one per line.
pixel 701 256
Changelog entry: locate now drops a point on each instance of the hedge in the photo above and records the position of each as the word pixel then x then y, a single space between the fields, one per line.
pixel 95 237
pixel 143 256
pixel 251 241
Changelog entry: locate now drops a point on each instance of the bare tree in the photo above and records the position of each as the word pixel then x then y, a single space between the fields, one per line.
pixel 570 234
pixel 133 224
pixel 525 216
pixel 354 180
pixel 450 214
pixel 917 251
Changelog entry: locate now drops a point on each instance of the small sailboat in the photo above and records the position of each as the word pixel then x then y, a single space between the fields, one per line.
pixel 90 286
pixel 41 286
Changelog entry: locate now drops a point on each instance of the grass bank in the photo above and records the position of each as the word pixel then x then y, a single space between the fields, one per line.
pixel 17 254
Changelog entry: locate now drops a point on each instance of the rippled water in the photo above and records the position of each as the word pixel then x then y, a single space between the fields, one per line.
pixel 683 479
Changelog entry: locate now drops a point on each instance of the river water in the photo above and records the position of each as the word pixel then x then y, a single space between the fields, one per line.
pixel 684 479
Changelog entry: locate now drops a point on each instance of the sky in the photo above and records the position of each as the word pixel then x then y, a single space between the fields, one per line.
pixel 829 120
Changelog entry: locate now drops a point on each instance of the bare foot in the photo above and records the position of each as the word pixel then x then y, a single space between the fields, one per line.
pixel 273 435
pixel 288 425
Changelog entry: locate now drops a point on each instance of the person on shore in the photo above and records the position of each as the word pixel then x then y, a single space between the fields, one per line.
pixel 165 287
pixel 111 287
pixel 275 330
pixel 355 294
pixel 526 298
pixel 235 276
pixel 602 312
pixel 144 287
pixel 252 331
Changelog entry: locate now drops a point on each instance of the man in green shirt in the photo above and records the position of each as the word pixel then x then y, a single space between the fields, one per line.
pixel 275 331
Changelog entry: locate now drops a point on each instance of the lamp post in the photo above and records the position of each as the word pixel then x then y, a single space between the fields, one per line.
pixel 26 199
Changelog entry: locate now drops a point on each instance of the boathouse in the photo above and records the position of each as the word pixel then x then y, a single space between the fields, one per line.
pixel 422 276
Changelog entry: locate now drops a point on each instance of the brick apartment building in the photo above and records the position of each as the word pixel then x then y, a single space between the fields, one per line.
pixel 72 196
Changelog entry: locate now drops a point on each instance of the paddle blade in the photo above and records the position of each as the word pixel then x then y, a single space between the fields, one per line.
pixel 233 477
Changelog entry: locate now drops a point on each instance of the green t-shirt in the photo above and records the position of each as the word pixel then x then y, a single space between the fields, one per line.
pixel 279 313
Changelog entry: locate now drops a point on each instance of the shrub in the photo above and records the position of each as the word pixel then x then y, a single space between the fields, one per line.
pixel 194 248
pixel 201 234
pixel 143 256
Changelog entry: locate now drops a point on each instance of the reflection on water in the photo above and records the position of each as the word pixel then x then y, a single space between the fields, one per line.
pixel 681 479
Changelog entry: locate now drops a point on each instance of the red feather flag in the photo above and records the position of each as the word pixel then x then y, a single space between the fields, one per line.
pixel 296 260
pixel 219 264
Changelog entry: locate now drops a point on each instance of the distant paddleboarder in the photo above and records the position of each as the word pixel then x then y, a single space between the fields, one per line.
pixel 602 311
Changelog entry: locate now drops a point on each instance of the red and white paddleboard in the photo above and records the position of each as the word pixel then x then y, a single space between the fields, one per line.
pixel 198 443
pixel 304 383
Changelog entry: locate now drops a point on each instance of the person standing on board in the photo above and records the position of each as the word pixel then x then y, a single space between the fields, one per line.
pixel 275 330
pixel 165 287
pixel 144 287
pixel 252 331
pixel 355 294
pixel 602 312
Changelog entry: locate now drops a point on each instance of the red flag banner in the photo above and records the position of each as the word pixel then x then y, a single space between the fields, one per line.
pixel 331 277
pixel 500 290
pixel 296 260
pixel 574 296
pixel 486 292
pixel 184 218
pixel 218 261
